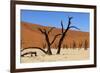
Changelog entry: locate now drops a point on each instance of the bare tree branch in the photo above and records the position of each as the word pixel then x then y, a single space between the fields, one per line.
pixel 74 27
pixel 51 29
pixel 69 21
pixel 40 30
pixel 48 42
pixel 55 38
pixel 64 34
pixel 62 27
pixel 45 31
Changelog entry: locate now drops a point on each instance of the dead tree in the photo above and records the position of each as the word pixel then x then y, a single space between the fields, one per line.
pixel 65 46
pixel 48 42
pixel 74 45
pixel 64 33
pixel 80 45
pixel 85 44
pixel 46 35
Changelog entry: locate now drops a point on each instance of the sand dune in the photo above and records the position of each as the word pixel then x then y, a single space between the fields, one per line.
pixel 32 37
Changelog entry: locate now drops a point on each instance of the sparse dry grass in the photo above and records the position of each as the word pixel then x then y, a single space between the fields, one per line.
pixel 66 54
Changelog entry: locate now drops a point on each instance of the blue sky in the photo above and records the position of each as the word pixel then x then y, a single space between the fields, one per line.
pixel 53 18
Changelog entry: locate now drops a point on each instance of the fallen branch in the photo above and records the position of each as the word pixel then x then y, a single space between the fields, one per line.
pixel 29 53
pixel 35 48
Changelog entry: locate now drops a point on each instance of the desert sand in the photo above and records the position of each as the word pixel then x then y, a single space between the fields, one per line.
pixel 66 55
pixel 32 37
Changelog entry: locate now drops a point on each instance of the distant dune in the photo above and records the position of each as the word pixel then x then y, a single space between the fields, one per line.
pixel 32 37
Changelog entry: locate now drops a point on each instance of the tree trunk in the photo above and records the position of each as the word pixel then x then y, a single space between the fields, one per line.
pixel 49 51
pixel 60 42
pixel 48 43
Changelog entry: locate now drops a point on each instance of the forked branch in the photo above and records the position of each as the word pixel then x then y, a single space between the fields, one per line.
pixel 45 33
pixel 51 29
pixel 55 38
pixel 64 33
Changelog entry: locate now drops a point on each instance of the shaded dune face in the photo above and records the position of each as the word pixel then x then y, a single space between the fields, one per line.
pixel 32 37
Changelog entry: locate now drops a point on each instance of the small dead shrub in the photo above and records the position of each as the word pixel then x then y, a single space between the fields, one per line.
pixel 80 45
pixel 65 46
pixel 74 45
pixel 85 44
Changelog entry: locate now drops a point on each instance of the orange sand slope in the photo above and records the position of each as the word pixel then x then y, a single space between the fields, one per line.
pixel 32 37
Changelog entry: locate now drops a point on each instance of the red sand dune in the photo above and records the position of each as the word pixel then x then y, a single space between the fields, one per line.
pixel 32 37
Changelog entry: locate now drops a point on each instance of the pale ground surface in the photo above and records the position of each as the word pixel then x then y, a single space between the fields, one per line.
pixel 66 54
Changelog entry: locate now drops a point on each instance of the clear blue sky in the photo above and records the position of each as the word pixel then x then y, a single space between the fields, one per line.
pixel 53 18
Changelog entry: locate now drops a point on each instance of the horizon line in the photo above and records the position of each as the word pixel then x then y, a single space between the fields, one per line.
pixel 50 26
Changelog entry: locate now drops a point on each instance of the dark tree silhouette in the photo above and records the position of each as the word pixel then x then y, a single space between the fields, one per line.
pixel 46 34
pixel 49 43
pixel 64 33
